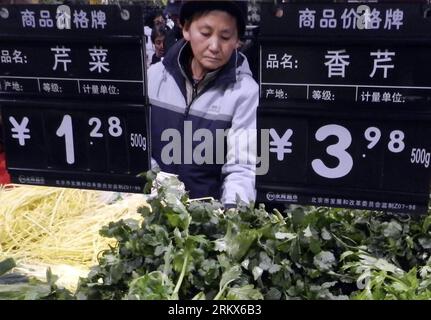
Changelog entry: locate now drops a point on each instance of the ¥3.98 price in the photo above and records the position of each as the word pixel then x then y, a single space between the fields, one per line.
pixel 395 142
pixel 115 129
pixel 339 150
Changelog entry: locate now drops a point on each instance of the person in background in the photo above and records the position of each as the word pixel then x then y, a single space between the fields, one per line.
pixel 155 18
pixel 152 20
pixel 176 32
pixel 158 20
pixel 158 38
pixel 204 85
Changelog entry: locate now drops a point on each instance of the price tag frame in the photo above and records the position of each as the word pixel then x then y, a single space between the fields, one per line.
pixel 95 133
pixel 303 188
pixel 296 184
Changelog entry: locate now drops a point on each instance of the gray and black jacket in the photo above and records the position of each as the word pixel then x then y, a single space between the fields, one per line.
pixel 205 132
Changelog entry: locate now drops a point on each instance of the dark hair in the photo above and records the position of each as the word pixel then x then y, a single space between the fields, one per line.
pixel 196 8
pixel 173 8
pixel 149 18
pixel 157 32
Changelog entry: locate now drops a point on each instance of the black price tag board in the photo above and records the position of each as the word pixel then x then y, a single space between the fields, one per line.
pixel 68 20
pixel 73 96
pixel 62 69
pixel 376 75
pixel 322 21
pixel 92 181
pixel 83 52
pixel 342 160
pixel 98 147
pixel 344 117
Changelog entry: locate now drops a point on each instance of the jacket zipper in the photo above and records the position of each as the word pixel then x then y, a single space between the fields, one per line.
pixel 194 96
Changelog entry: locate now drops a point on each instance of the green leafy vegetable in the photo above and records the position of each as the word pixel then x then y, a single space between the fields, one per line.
pixel 195 250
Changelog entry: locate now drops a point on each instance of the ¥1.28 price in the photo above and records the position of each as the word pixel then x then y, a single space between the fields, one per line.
pixel 115 129
pixel 104 141
pixel 395 143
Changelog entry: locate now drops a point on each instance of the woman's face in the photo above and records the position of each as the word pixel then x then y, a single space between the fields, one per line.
pixel 159 46
pixel 213 37
pixel 159 21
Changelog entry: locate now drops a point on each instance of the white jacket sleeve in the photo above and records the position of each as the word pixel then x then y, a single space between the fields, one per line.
pixel 239 169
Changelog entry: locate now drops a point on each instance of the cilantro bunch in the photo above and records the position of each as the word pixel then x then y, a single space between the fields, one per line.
pixel 187 249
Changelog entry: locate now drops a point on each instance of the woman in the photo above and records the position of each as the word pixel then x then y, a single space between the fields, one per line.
pixel 158 38
pixel 154 19
pixel 204 100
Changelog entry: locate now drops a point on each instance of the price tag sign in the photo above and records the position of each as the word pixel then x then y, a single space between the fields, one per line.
pixel 74 110
pixel 345 120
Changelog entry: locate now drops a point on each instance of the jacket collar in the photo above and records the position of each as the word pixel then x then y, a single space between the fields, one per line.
pixel 176 62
